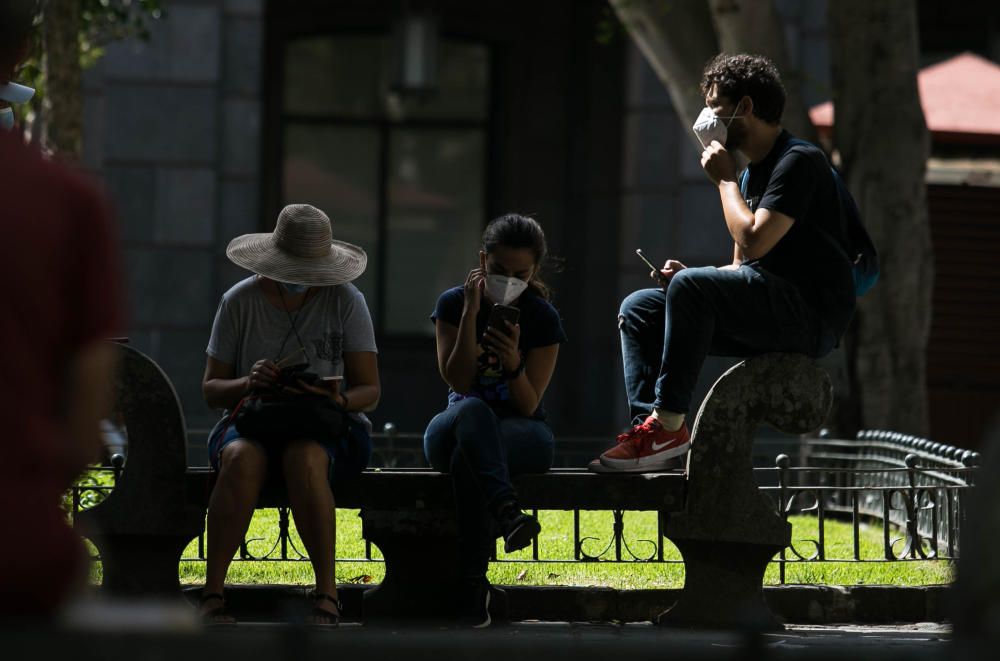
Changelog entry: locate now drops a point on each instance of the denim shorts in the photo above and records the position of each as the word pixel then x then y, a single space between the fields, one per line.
pixel 348 455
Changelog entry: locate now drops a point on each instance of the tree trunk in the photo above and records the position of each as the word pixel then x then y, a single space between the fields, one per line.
pixel 754 26
pixel 677 39
pixel 61 34
pixel 884 145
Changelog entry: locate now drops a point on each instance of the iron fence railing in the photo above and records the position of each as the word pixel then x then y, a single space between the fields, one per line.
pixel 910 489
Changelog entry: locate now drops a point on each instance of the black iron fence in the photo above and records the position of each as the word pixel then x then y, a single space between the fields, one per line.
pixel 908 489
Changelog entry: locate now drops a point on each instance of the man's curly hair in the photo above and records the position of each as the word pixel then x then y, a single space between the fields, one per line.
pixel 747 75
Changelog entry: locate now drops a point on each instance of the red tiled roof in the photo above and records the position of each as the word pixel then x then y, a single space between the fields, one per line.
pixel 960 98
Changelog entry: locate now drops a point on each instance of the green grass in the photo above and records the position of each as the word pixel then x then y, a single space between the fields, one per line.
pixel 556 542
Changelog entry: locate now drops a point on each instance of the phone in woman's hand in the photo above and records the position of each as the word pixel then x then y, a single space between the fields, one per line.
pixel 501 313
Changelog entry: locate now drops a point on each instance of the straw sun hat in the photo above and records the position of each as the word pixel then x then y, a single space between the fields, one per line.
pixel 300 250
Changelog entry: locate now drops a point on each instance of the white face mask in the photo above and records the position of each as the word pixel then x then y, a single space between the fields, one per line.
pixel 14 93
pixel 709 127
pixel 503 289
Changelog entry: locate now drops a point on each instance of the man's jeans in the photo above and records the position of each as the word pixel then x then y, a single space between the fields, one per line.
pixel 744 312
pixel 482 452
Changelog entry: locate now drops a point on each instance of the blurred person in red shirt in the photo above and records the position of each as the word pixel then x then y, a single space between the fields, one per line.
pixel 59 262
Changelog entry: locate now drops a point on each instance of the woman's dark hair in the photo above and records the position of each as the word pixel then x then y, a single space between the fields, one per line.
pixel 513 230
pixel 747 75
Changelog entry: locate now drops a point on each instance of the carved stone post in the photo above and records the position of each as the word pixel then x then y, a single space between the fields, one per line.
pixel 143 526
pixel 422 576
pixel 729 530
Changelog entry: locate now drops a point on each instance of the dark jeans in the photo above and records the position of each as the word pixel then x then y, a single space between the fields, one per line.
pixel 482 452
pixel 666 335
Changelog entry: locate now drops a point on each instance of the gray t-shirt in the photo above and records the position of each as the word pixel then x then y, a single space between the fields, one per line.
pixel 334 320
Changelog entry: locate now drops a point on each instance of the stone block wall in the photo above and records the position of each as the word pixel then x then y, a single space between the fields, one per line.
pixel 172 126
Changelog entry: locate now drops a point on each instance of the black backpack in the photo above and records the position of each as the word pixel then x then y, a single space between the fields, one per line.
pixel 854 240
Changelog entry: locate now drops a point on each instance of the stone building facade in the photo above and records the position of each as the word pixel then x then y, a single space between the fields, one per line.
pixel 182 130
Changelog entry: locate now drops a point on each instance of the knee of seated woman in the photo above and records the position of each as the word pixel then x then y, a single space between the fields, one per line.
pixel 244 458
pixel 306 452
pixel 474 408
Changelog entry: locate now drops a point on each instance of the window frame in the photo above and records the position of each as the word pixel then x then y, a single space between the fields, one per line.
pixel 277 120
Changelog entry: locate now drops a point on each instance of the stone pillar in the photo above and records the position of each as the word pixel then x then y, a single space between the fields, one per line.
pixel 729 530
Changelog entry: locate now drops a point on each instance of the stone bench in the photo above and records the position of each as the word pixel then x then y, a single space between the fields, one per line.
pixel 726 529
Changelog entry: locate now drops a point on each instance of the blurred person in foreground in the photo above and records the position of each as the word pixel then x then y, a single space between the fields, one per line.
pixel 59 260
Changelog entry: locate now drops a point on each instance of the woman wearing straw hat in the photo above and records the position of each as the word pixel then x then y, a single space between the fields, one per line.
pixel 299 306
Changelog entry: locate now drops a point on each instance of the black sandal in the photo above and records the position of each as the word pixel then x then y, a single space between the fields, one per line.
pixel 318 614
pixel 217 616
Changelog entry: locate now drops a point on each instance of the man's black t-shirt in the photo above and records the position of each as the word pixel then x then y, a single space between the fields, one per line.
pixel 798 183
pixel 540 324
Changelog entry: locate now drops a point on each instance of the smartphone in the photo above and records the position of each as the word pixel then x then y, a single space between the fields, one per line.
pixel 659 276
pixel 290 375
pixel 308 377
pixel 333 383
pixel 501 313
pixel 314 379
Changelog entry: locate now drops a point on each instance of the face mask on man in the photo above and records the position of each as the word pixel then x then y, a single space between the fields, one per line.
pixel 709 127
pixel 6 119
pixel 503 289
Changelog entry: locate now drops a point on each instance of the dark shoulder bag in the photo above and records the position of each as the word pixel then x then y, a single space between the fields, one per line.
pixel 274 416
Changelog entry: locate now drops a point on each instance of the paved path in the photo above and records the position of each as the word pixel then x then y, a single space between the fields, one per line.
pixel 524 641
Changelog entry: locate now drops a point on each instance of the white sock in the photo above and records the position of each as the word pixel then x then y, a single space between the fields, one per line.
pixel 668 419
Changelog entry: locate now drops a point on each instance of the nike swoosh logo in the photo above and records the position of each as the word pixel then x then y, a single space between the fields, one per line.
pixel 660 446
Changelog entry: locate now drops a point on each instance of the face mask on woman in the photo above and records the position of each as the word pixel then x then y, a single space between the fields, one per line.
pixel 294 290
pixel 504 289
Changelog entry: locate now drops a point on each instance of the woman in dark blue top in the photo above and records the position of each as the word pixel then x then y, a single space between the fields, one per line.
pixel 494 425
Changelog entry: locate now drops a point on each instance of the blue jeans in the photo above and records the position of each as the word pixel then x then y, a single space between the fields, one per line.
pixel 482 452
pixel 666 335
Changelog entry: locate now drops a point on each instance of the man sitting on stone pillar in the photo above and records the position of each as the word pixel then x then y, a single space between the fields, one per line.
pixel 789 288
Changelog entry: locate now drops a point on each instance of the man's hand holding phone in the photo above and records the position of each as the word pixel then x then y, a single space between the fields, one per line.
pixel 662 276
pixel 671 267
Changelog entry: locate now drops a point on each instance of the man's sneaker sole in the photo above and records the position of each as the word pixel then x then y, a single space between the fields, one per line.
pixel 658 461
pixel 521 536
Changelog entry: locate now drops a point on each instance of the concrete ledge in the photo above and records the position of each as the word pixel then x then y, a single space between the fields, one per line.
pixel 793 604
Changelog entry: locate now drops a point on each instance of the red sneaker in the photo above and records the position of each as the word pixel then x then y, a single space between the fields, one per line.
pixel 648 447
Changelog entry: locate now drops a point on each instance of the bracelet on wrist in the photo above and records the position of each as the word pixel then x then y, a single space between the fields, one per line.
pixel 514 373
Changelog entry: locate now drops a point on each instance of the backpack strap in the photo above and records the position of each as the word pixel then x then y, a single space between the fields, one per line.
pixel 744 177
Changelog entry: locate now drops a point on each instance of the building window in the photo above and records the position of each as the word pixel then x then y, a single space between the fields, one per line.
pixel 402 176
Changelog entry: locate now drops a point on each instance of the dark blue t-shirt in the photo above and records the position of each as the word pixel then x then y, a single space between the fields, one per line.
pixel 540 327
pixel 798 183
